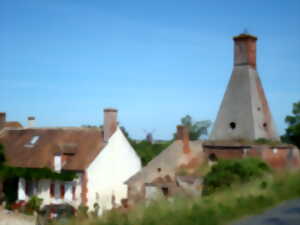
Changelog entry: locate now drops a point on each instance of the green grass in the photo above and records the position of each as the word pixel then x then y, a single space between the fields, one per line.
pixel 219 208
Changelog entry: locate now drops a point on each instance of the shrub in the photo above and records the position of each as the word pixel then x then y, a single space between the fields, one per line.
pixel 226 172
pixel 83 211
pixel 33 204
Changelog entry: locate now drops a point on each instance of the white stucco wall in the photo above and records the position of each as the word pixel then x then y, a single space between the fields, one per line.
pixel 43 191
pixel 116 162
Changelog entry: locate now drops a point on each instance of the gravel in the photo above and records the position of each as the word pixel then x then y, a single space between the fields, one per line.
pixel 12 218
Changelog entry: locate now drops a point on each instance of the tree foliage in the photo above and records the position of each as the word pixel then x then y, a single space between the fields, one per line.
pixel 196 128
pixel 147 151
pixel 227 172
pixel 293 131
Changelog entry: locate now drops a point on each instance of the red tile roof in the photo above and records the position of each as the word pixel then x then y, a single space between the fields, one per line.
pixel 81 145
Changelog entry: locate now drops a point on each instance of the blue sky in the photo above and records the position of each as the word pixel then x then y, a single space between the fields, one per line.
pixel 63 61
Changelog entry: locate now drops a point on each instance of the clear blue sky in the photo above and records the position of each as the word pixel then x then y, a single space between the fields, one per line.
pixel 63 61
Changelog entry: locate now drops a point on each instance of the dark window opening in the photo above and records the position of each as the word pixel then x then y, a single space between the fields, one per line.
pixel 52 190
pixel 212 157
pixel 158 169
pixel 62 191
pixel 258 108
pixel 265 125
pixel 74 192
pixel 232 125
pixel 165 191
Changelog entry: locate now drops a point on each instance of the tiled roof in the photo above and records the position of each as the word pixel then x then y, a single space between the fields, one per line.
pixel 36 147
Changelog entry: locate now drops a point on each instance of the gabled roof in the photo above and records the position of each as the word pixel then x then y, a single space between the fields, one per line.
pixel 170 159
pixel 12 124
pixel 36 147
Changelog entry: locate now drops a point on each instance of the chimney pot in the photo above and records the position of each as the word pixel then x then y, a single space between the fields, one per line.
pixel 245 50
pixel 31 121
pixel 110 122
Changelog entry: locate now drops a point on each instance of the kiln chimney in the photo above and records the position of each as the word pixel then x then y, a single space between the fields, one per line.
pixel 245 50
pixel 110 123
pixel 183 135
pixel 31 121
pixel 2 119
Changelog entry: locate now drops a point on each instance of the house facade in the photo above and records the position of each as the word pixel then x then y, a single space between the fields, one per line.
pixel 161 176
pixel 102 159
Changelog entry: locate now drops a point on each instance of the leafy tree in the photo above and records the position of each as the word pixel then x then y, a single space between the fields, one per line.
pixel 293 131
pixel 196 128
pixel 147 151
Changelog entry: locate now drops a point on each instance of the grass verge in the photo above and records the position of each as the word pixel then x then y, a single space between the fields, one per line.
pixel 219 208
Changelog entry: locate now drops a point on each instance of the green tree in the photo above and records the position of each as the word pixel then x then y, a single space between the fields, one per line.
pixel 196 128
pixel 147 151
pixel 292 134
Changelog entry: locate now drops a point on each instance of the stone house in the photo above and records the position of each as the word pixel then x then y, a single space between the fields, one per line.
pixel 102 158
pixel 161 176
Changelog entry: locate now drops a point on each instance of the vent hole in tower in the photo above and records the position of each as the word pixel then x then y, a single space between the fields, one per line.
pixel 232 125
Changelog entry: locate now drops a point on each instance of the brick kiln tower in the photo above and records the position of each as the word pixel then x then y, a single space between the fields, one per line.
pixel 244 112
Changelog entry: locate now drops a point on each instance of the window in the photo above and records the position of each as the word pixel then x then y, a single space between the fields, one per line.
pixel 212 157
pixel 165 191
pixel 232 125
pixel 74 191
pixel 32 142
pixel 62 191
pixel 52 190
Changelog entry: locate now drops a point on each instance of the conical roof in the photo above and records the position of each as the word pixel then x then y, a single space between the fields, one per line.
pixel 244 112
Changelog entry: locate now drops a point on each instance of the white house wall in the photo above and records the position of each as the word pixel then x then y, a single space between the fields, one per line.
pixel 43 191
pixel 116 162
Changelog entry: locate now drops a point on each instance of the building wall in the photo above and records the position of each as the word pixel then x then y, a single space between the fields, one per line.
pixel 42 190
pixel 106 175
pixel 164 166
pixel 275 157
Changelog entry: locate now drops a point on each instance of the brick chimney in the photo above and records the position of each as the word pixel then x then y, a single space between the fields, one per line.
pixel 2 119
pixel 245 50
pixel 183 135
pixel 110 123
pixel 31 121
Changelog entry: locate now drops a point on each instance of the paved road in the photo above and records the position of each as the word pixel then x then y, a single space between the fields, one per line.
pixel 287 213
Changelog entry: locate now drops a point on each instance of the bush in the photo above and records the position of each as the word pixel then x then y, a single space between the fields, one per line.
pixel 82 211
pixel 227 172
pixel 33 204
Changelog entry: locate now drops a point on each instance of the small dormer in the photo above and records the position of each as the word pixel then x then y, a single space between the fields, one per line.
pixel 57 162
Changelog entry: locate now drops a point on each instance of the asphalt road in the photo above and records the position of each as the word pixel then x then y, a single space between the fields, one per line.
pixel 287 213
